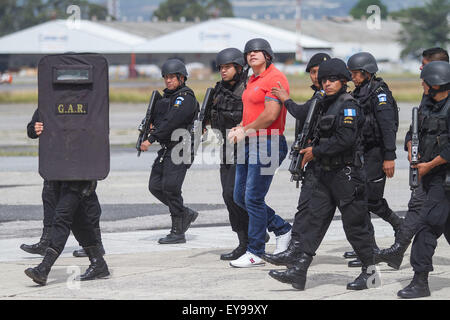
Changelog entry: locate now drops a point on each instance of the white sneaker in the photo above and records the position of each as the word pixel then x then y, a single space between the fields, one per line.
pixel 283 242
pixel 247 260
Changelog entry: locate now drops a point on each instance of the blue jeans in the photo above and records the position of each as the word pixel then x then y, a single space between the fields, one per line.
pixel 253 179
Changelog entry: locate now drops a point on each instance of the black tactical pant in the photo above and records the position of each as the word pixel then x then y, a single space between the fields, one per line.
pixel 238 216
pixel 90 206
pixel 434 221
pixel 376 181
pixel 50 196
pixel 69 215
pixel 344 189
pixel 412 218
pixel 302 217
pixel 166 181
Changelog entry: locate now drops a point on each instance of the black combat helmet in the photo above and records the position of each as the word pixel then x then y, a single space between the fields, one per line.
pixel 316 60
pixel 259 44
pixel 334 67
pixel 230 55
pixel 363 61
pixel 174 66
pixel 436 73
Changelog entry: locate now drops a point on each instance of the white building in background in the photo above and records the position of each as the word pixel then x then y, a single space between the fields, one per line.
pixel 205 39
pixel 152 43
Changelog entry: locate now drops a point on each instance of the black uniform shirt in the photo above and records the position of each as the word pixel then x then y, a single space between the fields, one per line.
pixel 298 110
pixel 180 113
pixel 382 104
pixel 30 127
pixel 345 135
pixel 445 153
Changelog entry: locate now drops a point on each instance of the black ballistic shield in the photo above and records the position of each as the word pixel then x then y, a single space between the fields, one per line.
pixel 73 104
pixel 414 172
pixel 144 127
pixel 303 140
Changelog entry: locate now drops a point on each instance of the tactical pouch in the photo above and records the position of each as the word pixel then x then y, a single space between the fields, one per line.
pixel 327 122
pixel 431 125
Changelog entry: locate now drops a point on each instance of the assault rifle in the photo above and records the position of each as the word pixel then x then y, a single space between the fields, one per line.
pixel 303 140
pixel 200 123
pixel 414 172
pixel 144 127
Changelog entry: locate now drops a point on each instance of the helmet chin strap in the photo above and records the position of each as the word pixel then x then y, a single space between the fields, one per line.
pixel 433 92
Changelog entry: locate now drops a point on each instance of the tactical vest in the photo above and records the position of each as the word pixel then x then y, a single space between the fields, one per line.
pixel 226 111
pixel 371 131
pixel 433 132
pixel 327 126
pixel 168 100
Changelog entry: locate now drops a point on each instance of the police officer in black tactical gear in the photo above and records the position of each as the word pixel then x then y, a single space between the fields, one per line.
pixel 50 196
pixel 176 110
pixel 393 255
pixel 379 136
pixel 225 114
pixel 341 178
pixel 434 171
pixel 73 104
pixel 289 256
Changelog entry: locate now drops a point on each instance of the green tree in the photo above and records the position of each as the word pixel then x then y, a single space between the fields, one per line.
pixel 18 15
pixel 192 9
pixel 220 8
pixel 360 9
pixel 424 27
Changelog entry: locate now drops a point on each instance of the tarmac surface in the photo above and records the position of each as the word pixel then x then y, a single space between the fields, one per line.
pixel 133 220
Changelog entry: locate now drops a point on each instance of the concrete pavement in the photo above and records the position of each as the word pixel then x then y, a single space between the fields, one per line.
pixel 143 269
pixel 133 220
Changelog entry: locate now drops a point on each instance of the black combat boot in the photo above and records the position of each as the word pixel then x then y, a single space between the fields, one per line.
pixel 418 287
pixel 357 263
pixel 350 255
pixel 360 282
pixel 295 275
pixel 285 258
pixel 393 256
pixel 240 250
pixel 82 254
pixel 41 246
pixel 40 273
pixel 98 268
pixel 176 235
pixel 395 221
pixel 189 217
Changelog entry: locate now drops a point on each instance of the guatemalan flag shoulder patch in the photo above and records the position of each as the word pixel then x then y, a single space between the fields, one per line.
pixel 382 97
pixel 349 112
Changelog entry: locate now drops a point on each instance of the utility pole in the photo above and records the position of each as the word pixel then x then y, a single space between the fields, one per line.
pixel 298 31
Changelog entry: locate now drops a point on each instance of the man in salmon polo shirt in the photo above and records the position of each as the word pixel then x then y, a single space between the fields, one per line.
pixel 262 128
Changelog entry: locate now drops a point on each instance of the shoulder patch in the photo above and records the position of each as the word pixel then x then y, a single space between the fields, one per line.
pixel 350 112
pixel 178 102
pixel 382 97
